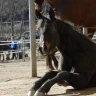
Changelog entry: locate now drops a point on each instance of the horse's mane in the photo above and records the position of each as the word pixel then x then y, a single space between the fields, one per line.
pixel 73 32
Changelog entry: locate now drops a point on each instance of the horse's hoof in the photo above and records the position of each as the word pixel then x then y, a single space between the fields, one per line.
pixel 39 94
pixel 31 93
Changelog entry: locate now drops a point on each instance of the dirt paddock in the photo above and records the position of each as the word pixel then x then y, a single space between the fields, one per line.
pixel 16 80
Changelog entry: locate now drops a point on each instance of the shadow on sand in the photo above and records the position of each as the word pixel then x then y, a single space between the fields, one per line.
pixel 74 92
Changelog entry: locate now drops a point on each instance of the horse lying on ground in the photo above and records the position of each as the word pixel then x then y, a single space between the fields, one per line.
pixel 78 57
pixel 51 57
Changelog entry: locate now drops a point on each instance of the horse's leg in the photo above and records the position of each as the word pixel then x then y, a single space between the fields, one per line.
pixel 76 80
pixel 92 82
pixel 63 75
pixel 3 57
pixel 0 57
pixel 38 84
pixel 49 62
pixel 8 56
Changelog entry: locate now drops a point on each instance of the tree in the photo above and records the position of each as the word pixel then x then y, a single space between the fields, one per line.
pixel 12 11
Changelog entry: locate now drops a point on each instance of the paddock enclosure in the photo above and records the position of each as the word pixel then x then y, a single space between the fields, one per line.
pixel 15 80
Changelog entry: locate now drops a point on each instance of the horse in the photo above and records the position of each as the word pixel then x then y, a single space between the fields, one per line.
pixel 80 12
pixel 4 48
pixel 50 58
pixel 78 57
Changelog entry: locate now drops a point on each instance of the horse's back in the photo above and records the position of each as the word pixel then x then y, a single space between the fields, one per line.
pixel 80 12
pixel 3 46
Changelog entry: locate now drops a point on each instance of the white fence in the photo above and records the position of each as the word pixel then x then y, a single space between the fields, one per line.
pixel 22 47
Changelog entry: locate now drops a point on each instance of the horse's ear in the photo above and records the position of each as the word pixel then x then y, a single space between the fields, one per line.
pixel 38 14
pixel 51 14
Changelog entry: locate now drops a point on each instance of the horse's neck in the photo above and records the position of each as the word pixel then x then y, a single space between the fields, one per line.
pixel 73 34
pixel 72 40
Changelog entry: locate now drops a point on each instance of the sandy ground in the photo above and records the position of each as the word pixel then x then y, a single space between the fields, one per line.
pixel 16 80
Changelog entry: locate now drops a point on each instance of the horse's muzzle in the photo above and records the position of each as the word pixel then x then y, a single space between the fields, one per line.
pixel 42 51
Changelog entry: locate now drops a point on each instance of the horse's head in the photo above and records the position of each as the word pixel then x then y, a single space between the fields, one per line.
pixel 49 37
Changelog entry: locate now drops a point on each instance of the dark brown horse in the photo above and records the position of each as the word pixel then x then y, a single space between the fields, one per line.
pixel 4 47
pixel 50 58
pixel 78 57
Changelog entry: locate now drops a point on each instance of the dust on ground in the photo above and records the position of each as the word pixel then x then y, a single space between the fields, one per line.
pixel 16 80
